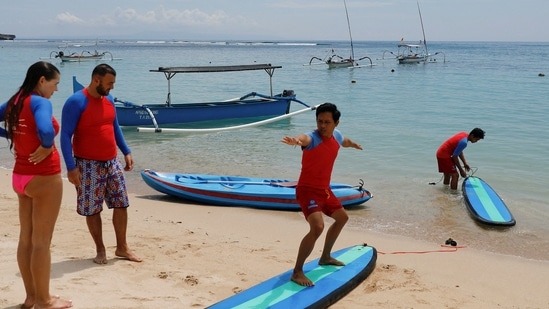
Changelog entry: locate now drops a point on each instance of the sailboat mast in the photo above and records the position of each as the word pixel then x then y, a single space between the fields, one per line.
pixel 423 30
pixel 350 36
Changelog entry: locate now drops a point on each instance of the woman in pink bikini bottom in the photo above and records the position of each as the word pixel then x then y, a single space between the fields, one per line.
pixel 30 128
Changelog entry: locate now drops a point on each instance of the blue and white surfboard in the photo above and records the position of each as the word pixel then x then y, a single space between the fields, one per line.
pixel 484 203
pixel 331 283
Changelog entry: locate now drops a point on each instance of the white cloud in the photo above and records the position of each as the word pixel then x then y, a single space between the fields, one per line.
pixel 280 19
pixel 163 16
pixel 68 18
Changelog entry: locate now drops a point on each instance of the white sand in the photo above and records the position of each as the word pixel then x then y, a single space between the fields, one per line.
pixel 197 255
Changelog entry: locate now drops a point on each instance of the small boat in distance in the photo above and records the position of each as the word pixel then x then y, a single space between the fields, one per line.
pixel 7 37
pixel 263 193
pixel 84 56
pixel 414 53
pixel 250 105
pixel 66 55
pixel 334 61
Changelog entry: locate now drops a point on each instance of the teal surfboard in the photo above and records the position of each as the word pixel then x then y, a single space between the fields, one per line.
pixel 484 204
pixel 331 283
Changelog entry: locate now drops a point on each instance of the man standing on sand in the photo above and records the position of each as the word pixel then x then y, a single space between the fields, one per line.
pixel 319 148
pixel 90 135
pixel 451 151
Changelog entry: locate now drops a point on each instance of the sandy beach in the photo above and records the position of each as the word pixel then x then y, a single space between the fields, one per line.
pixel 196 255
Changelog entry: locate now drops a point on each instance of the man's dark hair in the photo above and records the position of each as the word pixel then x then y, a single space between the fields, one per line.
pixel 103 69
pixel 477 132
pixel 329 107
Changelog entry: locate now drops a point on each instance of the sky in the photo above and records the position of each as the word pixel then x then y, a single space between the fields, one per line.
pixel 277 20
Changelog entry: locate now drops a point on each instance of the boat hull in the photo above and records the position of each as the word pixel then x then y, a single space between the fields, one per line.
pixel 340 64
pixel 411 59
pixel 135 115
pixel 243 191
pixel 248 106
pixel 80 58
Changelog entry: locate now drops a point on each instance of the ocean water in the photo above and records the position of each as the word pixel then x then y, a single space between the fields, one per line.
pixel 399 113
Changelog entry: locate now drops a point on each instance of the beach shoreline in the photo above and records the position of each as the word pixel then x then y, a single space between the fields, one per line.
pixel 196 255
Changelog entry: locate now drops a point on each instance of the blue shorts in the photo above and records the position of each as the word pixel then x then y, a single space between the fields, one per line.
pixel 100 181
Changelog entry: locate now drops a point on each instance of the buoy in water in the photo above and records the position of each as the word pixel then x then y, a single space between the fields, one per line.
pixel 541 74
pixel 353 81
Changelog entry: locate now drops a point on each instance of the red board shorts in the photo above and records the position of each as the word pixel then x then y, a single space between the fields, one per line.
pixel 446 165
pixel 313 199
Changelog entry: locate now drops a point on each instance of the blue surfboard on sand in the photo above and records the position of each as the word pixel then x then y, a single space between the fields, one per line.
pixel 484 203
pixel 331 283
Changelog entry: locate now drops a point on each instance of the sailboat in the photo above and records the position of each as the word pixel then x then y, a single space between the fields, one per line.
pixel 415 53
pixel 334 60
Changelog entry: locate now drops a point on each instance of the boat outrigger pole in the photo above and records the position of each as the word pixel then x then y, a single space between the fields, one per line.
pixel 237 127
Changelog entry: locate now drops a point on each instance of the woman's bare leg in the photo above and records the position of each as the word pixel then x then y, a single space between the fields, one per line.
pixel 46 193
pixel 24 248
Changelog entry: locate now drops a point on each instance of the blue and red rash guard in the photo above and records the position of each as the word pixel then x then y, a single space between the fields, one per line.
pixel 36 127
pixel 318 160
pixel 90 129
pixel 453 146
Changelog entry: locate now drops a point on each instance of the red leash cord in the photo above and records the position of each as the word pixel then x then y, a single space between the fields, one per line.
pixel 449 249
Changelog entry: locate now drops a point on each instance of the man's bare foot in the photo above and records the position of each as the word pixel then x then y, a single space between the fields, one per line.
pixel 330 261
pixel 127 254
pixel 301 279
pixel 100 258
pixel 55 303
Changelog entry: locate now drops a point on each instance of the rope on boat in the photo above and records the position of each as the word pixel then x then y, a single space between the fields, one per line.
pixel 208 130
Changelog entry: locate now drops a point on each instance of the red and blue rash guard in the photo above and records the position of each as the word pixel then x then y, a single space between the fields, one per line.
pixel 318 160
pixel 90 129
pixel 453 146
pixel 36 127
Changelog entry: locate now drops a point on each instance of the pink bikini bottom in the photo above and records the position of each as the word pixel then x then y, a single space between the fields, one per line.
pixel 20 182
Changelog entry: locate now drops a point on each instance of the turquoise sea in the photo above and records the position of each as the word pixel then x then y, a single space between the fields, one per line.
pixel 399 113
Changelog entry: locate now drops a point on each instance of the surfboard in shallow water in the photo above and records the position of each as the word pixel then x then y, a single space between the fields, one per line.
pixel 331 283
pixel 484 203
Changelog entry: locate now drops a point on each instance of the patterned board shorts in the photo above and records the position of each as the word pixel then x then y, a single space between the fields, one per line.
pixel 101 181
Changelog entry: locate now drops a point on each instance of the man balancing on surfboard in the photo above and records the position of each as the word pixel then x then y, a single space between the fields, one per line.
pixel 451 151
pixel 319 151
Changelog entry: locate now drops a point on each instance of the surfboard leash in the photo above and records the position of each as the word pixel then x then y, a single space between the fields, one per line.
pixel 471 172
pixel 434 183
pixel 450 249
pixel 449 244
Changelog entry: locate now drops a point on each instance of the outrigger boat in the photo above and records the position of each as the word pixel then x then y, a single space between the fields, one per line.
pixel 335 61
pixel 412 53
pixel 65 55
pixel 250 105
pixel 265 193
pixel 84 56
pixel 415 53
